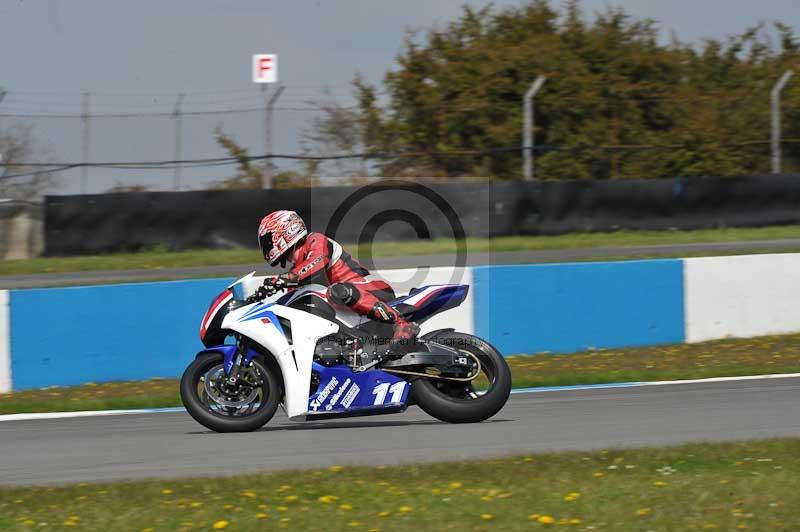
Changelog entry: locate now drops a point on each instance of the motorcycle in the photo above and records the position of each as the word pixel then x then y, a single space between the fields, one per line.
pixel 320 360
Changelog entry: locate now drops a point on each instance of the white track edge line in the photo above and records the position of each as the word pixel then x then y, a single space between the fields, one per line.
pixel 543 389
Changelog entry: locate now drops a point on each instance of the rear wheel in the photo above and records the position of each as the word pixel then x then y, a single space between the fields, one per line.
pixel 224 407
pixel 466 402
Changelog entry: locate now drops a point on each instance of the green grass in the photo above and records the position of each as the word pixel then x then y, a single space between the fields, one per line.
pixel 719 358
pixel 162 259
pixel 722 486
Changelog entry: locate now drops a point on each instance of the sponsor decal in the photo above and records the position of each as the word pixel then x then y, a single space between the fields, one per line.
pixel 335 397
pixel 307 268
pixel 326 391
pixel 382 313
pixel 350 395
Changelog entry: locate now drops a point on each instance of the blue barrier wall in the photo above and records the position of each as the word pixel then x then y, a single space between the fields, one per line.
pixel 572 307
pixel 63 336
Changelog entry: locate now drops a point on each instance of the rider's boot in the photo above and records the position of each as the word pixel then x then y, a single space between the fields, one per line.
pixel 404 332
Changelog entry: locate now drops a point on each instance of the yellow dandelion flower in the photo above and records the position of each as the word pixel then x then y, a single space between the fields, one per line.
pixel 281 508
pixel 219 525
pixel 147 530
pixel 384 514
pixel 486 498
pixel 642 512
pixel 285 519
pixel 336 468
pixel 527 459
pixel 346 507
pixel 248 494
pixel 29 522
pixel 455 485
pixel 545 519
pixel 598 474
pixel 572 496
pixel 574 521
pixel 373 529
pixel 487 517
pixel 659 483
pixel 195 504
pixel 327 499
pixel 404 509
pixel 291 498
pixel 228 506
pixel 261 516
pixel 70 523
pixel 166 491
pixel 384 483
pixel 353 523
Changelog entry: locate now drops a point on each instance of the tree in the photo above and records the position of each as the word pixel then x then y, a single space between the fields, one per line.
pixel 336 130
pixel 618 103
pixel 17 147
pixel 249 176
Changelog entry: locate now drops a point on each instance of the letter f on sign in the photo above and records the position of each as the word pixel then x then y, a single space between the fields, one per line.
pixel 265 68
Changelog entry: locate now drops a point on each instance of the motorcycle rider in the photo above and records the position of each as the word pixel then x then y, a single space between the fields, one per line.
pixel 317 259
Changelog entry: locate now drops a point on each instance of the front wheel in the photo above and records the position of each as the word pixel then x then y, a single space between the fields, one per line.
pixel 224 407
pixel 466 402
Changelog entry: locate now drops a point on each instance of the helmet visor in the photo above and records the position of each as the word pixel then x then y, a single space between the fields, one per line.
pixel 265 243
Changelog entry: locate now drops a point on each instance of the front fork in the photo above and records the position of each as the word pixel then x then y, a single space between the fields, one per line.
pixel 239 358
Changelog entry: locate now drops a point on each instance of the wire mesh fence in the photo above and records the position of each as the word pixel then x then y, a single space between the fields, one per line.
pixel 99 142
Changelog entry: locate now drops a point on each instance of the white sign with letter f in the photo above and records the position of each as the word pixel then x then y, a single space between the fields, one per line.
pixel 265 68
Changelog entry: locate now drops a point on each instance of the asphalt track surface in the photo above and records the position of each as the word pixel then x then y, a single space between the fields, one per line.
pixel 410 261
pixel 171 445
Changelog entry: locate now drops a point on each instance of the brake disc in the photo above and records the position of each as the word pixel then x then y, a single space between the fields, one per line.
pixel 212 381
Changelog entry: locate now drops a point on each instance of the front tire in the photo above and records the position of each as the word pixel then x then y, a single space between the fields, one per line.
pixel 206 409
pixel 457 402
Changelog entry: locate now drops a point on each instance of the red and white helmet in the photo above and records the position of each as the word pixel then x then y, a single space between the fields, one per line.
pixel 278 233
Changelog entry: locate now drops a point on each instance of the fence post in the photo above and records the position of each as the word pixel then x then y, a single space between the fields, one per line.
pixel 266 181
pixel 527 128
pixel 775 103
pixel 2 95
pixel 178 141
pixel 86 139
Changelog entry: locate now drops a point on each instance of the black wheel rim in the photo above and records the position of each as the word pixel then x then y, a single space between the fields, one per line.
pixel 243 399
pixel 471 390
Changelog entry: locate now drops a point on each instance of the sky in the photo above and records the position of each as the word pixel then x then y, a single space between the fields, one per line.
pixel 136 56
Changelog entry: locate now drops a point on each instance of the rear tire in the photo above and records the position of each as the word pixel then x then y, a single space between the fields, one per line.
pixel 198 409
pixel 444 402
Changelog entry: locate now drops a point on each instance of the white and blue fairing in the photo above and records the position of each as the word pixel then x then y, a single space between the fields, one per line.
pixel 341 391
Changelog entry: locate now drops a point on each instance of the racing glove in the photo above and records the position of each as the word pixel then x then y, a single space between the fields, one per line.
pixel 273 284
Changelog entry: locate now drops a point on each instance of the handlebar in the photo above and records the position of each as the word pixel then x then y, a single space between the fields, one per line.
pixel 270 287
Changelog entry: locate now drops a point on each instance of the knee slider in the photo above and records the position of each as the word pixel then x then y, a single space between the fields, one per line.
pixel 343 293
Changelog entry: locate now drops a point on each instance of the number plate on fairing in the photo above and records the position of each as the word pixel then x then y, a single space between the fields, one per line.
pixel 341 391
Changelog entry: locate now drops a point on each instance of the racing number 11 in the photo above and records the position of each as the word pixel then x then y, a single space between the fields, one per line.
pixel 381 390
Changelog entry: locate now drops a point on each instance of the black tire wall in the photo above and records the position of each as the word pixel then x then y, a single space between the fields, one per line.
pixel 106 223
